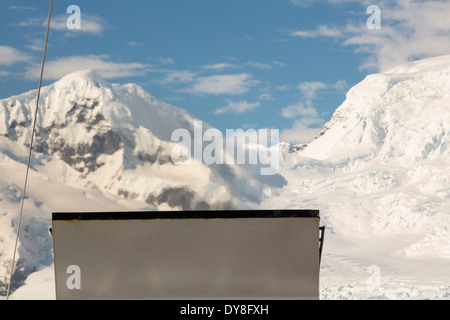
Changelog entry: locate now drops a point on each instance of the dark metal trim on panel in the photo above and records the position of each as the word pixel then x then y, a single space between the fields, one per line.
pixel 215 214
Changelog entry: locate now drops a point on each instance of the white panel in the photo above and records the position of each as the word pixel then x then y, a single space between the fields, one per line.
pixel 188 258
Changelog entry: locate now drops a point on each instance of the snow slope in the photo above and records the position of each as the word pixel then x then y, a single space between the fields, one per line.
pixel 378 173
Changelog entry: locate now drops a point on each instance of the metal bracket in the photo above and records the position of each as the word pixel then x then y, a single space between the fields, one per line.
pixel 321 240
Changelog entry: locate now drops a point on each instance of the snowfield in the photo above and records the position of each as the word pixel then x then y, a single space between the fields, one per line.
pixel 379 173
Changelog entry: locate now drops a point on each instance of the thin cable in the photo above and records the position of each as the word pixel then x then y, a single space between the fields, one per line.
pixel 31 148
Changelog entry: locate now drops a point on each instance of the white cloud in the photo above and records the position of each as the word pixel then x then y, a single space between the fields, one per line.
pixel 306 126
pixel 308 3
pixel 3 74
pixel 36 45
pixel 174 76
pixel 309 88
pixel 224 84
pixel 253 64
pixel 238 107
pixel 166 60
pixel 302 3
pixel 285 87
pixel 56 69
pixel 321 31
pixel 302 132
pixel 409 30
pixel 299 110
pixel 258 65
pixel 10 56
pixel 340 85
pixel 279 64
pixel 265 96
pixel 22 8
pixel 134 44
pixel 218 66
pixel 90 24
pixel 307 122
pixel 32 22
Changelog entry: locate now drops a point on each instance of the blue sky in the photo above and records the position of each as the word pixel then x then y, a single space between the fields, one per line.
pixel 283 64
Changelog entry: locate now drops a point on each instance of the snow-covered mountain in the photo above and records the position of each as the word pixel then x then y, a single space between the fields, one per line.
pixel 378 173
pixel 390 137
pixel 107 135
pixel 96 140
pixel 400 115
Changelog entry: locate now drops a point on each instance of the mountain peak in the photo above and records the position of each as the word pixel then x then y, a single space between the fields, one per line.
pixel 402 114
pixel 439 63
pixel 83 77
